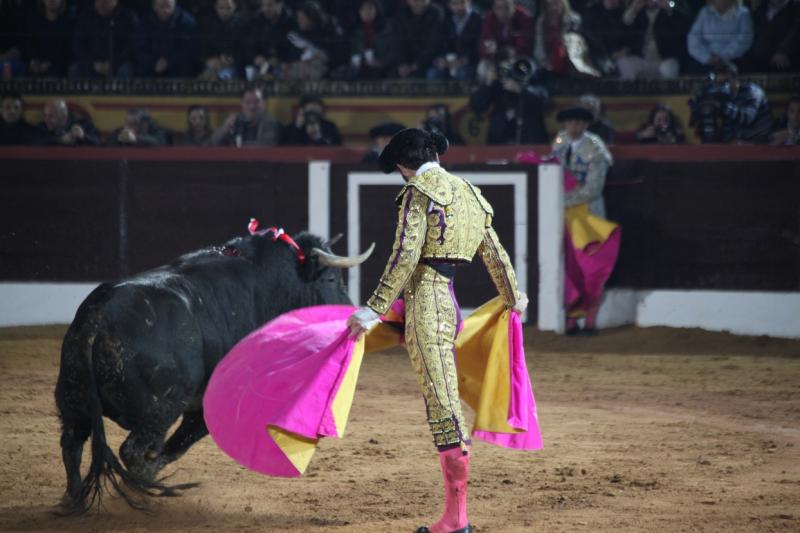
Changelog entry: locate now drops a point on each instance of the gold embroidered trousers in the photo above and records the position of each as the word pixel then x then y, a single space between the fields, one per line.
pixel 432 322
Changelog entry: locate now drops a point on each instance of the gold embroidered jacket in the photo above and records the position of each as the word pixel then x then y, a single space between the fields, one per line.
pixel 442 217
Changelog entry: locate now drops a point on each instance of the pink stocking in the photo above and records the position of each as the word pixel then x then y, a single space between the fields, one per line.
pixel 455 470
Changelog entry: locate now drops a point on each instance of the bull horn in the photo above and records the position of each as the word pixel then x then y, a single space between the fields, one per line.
pixel 333 240
pixel 339 261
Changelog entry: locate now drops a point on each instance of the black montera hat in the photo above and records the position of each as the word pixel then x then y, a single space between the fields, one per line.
pixel 407 141
pixel 575 113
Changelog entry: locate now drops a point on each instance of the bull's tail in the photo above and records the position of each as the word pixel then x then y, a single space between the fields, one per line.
pixel 105 469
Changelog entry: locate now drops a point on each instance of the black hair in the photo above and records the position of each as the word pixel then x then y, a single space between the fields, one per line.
pixel 412 148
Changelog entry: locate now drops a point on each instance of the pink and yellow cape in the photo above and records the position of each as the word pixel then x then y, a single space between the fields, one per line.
pixel 291 382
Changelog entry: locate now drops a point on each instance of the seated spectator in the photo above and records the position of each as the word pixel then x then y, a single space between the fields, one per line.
pixel 418 34
pixel 789 132
pixel 103 41
pixel 559 48
pixel 317 44
pixel 371 42
pixel 517 104
pixel 437 119
pixel 776 38
pixel 198 129
pixel 599 124
pixel 658 47
pixel 253 126
pixel 722 31
pixel 14 130
pixel 50 29
pixel 610 37
pixel 139 130
pixel 267 44
pixel 727 110
pixel 662 127
pixel 219 42
pixel 164 42
pixel 13 15
pixel 380 136
pixel 459 58
pixel 507 32
pixel 310 125
pixel 60 127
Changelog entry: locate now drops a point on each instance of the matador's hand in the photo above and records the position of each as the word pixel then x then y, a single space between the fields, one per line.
pixel 521 304
pixel 363 320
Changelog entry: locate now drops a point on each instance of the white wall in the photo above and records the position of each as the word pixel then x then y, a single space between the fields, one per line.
pixel 24 304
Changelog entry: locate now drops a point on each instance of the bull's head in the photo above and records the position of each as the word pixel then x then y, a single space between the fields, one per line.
pixel 324 268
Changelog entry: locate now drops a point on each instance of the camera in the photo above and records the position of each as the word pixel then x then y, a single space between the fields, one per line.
pixel 706 105
pixel 520 70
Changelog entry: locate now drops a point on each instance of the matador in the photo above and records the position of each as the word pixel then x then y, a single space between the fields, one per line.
pixel 443 221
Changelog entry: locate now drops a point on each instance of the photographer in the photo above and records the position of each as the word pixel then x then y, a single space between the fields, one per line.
pixel 726 110
pixel 517 103
pixel 662 127
pixel 253 126
pixel 310 126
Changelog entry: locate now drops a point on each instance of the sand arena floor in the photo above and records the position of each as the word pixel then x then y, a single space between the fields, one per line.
pixel 645 430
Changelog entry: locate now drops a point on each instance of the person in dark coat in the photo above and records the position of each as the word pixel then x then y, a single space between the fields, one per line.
pixel 516 108
pixel 14 129
pixel 139 130
pixel 50 30
pixel 267 43
pixel 219 42
pixel 165 41
pixel 459 57
pixel 776 38
pixel 658 46
pixel 104 40
pixel 60 127
pixel 418 31
pixel 310 126
pixel 13 16
pixel 371 42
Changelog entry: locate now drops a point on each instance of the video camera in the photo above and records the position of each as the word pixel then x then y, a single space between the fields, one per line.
pixel 521 70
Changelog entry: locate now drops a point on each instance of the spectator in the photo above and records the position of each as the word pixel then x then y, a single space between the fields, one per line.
pixel 317 44
pixel 310 125
pixel 198 129
pixel 219 42
pixel 658 47
pixel 139 130
pixel 730 111
pixel 50 31
pixel 662 127
pixel 599 124
pixel 611 39
pixel 437 120
pixel 418 37
pixel 267 44
pixel 164 42
pixel 559 48
pixel 459 58
pixel 380 136
pixel 517 105
pixel 253 126
pixel 788 135
pixel 507 33
pixel 13 15
pixel 60 127
pixel 371 43
pixel 103 41
pixel 776 41
pixel 722 31
pixel 14 130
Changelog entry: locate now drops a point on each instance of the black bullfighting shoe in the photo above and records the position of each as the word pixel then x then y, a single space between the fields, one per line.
pixel 468 529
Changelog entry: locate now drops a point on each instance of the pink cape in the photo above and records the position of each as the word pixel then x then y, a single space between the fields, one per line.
pixel 291 382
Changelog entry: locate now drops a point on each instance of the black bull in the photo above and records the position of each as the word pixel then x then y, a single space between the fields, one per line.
pixel 141 352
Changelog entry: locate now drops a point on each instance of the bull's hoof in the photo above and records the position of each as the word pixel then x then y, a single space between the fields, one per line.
pixel 468 529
